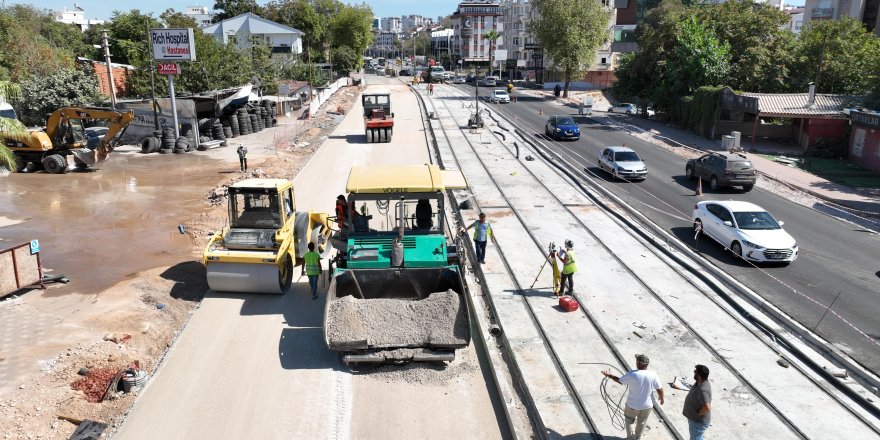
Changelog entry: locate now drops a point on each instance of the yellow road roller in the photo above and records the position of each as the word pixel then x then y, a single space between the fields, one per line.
pixel 266 237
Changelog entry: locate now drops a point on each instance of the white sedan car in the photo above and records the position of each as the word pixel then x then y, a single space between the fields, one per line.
pixel 746 229
pixel 499 96
pixel 622 163
pixel 627 108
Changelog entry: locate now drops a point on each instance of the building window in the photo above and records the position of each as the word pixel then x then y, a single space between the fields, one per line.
pixel 604 60
pixel 516 41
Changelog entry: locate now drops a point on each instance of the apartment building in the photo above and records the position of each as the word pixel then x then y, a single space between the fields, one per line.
pixel 866 11
pixel 201 14
pixel 471 21
pixel 75 16
pixel 391 24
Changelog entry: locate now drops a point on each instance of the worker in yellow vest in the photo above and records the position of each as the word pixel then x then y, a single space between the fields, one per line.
pixel 569 267
pixel 313 269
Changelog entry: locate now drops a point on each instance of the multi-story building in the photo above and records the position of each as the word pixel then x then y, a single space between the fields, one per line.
pixel 471 21
pixel 391 24
pixel 247 29
pixel 201 14
pixel 441 46
pixel 409 23
pixel 866 11
pixel 75 16
pixel 519 43
pixel 796 19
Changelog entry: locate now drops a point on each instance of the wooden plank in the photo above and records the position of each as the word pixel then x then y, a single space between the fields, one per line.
pixel 18 268
pixel 28 269
pixel 7 274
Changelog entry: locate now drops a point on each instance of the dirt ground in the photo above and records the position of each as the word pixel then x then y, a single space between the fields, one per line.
pixel 135 321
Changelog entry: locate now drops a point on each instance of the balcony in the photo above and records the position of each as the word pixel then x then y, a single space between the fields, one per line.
pixel 823 12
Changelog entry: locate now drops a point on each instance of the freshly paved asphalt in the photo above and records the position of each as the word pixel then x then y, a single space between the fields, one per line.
pixel 836 258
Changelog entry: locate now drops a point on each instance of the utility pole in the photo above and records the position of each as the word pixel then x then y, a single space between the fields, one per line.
pixel 109 68
pixel 153 84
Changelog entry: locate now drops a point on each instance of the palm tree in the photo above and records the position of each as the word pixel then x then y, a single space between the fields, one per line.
pixel 492 36
pixel 9 128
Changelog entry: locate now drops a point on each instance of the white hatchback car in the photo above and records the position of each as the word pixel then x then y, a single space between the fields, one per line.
pixel 627 108
pixel 499 96
pixel 746 229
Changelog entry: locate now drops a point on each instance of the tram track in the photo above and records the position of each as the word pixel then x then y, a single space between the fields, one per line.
pixel 445 111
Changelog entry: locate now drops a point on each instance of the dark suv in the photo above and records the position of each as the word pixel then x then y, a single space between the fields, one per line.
pixel 723 169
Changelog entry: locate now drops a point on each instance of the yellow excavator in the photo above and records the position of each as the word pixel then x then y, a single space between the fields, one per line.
pixel 64 136
pixel 265 239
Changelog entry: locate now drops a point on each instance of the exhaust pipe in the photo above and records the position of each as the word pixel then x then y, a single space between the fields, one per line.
pixel 811 99
pixel 397 246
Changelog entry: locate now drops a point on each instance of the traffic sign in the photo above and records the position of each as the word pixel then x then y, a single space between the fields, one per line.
pixel 168 68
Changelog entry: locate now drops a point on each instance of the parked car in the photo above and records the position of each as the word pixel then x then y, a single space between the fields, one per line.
pixel 490 81
pixel 405 72
pixel 723 169
pixel 459 80
pixel 623 163
pixel 562 127
pixel 499 96
pixel 471 78
pixel 627 108
pixel 746 229
pixel 94 136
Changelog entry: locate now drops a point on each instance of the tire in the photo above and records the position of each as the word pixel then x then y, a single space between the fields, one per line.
pixel 21 165
pixel 698 230
pixel 165 151
pixel 714 183
pixel 689 172
pixel 285 274
pixel 145 145
pixel 55 164
pixel 747 188
pixel 736 249
pixel 179 150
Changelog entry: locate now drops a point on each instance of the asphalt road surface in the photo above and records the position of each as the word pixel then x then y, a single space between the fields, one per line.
pixel 836 258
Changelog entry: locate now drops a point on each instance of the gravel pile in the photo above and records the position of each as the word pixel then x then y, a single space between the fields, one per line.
pixel 439 319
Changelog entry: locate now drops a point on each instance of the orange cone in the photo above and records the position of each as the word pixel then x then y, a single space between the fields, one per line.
pixel 699 187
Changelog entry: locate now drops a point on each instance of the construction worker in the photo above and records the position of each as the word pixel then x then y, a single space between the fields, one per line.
pixel 313 269
pixel 642 383
pixel 242 157
pixel 569 267
pixel 482 233
pixel 698 403
pixel 509 87
pixel 341 211
pixel 431 89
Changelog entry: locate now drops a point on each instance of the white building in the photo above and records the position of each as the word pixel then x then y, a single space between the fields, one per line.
pixel 796 19
pixel 75 16
pixel 391 24
pixel 247 28
pixel 408 23
pixel 201 14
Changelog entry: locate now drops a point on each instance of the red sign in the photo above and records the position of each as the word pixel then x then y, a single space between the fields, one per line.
pixel 168 68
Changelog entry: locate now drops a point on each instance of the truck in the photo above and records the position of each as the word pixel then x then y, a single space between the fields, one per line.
pixel 266 238
pixel 64 137
pixel 396 293
pixel 378 118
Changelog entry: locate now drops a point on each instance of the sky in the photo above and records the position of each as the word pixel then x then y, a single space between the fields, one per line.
pixel 99 9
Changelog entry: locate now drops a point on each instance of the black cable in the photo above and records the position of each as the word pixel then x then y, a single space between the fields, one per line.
pixel 615 409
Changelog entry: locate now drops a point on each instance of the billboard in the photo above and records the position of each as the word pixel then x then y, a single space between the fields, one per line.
pixel 173 44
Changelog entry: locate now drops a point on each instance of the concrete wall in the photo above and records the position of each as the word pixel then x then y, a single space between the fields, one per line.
pixel 325 94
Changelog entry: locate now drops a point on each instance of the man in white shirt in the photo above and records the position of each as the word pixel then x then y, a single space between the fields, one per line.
pixel 641 383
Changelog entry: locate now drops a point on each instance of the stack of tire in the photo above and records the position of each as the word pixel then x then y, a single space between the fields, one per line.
pixel 152 143
pixel 233 124
pixel 182 145
pixel 190 135
pixel 227 129
pixel 168 141
pixel 255 123
pixel 244 121
pixel 217 131
pixel 270 112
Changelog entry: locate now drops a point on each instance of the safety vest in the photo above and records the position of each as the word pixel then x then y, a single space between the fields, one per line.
pixel 313 263
pixel 482 230
pixel 569 267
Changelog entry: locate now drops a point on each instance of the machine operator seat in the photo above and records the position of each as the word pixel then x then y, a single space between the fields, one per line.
pixel 423 215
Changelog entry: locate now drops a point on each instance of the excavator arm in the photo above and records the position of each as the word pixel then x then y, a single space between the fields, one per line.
pixel 118 122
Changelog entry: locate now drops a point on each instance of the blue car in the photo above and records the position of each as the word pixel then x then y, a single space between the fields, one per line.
pixel 562 127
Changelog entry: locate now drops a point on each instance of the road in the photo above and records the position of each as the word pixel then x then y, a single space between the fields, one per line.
pixel 255 366
pixel 836 258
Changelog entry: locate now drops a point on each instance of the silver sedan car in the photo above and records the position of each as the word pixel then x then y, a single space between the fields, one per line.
pixel 622 163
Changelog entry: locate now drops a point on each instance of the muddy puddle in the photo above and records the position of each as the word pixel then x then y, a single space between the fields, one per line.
pixel 99 227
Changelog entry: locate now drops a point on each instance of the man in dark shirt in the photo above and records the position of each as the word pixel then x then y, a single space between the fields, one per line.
pixel 697 404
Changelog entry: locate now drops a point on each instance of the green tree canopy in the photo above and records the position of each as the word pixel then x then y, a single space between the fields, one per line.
pixel 65 87
pixel 231 8
pixel 571 32
pixel 32 43
pixel 352 27
pixel 840 56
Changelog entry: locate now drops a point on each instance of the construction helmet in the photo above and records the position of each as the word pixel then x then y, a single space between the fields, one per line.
pixel 569 244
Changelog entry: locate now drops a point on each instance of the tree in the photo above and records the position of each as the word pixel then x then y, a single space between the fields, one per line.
pixel 65 87
pixel 352 27
pixel 346 60
pixel 231 8
pixel 31 43
pixel 128 35
pixel 698 59
pixel 300 15
pixel 760 45
pixel 571 32
pixel 493 36
pixel 9 128
pixel 840 56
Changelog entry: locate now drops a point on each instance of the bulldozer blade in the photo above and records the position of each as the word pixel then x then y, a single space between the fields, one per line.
pixel 85 155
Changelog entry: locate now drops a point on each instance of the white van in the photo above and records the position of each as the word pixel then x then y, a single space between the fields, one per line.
pixel 490 81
